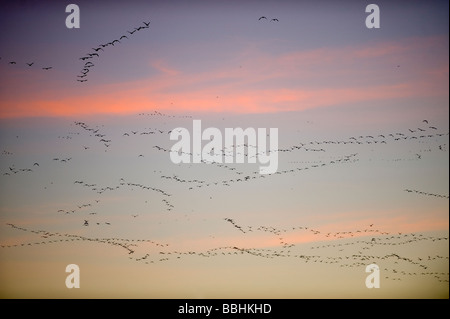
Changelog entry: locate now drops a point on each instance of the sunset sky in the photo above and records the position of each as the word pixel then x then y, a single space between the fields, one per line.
pixel 86 176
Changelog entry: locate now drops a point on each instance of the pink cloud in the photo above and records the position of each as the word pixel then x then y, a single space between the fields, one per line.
pixel 264 83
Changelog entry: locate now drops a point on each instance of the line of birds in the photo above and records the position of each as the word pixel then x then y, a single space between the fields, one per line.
pixel 426 194
pixel 102 138
pixel 13 170
pixel 231 151
pixel 122 183
pixel 351 158
pixel 95 52
pixel 79 207
pixel 157 113
pixel 29 64
pixel 6 153
pixel 354 259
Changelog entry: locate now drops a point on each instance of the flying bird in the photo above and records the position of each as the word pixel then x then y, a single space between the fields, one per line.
pixel 47 68
pixel 263 17
pixel 275 20
pixel 30 64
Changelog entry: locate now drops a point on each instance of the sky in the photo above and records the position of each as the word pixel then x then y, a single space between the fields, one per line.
pixel 86 176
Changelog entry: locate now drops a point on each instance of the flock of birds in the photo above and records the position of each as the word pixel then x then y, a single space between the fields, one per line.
pixel 93 54
pixel 350 254
pixel 347 248
pixel 237 176
pixel 425 193
pixel 102 47
pixel 31 64
pixel 89 212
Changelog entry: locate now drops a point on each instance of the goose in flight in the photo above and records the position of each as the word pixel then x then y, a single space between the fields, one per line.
pixel 275 20
pixel 263 17
pixel 30 64
pixel 47 68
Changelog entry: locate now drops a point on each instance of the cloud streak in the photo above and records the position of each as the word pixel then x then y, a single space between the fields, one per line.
pixel 258 82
